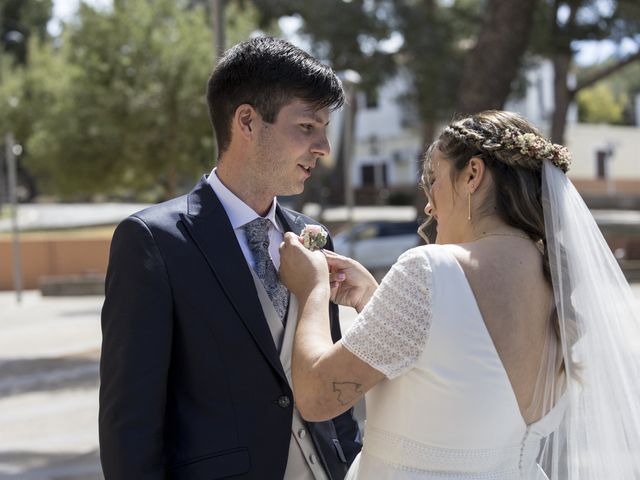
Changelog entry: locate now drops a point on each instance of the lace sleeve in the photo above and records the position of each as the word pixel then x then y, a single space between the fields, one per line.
pixel 392 330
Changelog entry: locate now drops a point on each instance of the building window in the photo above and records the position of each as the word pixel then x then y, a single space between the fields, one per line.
pixel 601 164
pixel 371 98
pixel 374 175
pixel 368 175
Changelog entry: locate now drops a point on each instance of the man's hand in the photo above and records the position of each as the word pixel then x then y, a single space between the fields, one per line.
pixel 302 270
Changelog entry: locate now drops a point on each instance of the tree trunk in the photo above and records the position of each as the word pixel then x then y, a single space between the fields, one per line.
pixel 493 63
pixel 562 96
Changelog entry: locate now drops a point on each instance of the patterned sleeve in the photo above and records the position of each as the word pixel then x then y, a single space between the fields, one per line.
pixel 392 330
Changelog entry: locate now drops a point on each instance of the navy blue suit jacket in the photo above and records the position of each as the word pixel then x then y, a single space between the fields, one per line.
pixel 191 383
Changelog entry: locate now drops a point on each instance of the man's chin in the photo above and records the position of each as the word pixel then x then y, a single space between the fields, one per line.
pixel 294 190
pixel 298 189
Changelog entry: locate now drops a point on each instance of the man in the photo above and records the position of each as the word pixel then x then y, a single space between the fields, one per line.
pixel 197 328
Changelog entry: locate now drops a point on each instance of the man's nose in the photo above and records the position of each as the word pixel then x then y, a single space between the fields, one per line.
pixel 321 146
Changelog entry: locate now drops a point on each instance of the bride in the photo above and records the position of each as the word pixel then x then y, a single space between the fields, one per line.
pixel 501 352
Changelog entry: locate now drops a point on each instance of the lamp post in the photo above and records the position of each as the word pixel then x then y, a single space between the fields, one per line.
pixel 13 150
pixel 350 80
pixel 217 22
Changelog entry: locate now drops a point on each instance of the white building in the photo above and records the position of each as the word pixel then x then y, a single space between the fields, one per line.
pixel 387 147
pixel 606 157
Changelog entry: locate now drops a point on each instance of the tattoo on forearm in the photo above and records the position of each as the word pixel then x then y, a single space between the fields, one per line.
pixel 347 391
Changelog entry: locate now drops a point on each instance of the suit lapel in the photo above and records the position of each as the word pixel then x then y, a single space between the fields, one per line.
pixel 209 227
pixel 290 221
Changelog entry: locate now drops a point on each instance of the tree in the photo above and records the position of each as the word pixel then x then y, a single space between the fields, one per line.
pixel 433 55
pixel 119 107
pixel 349 35
pixel 493 64
pixel 130 114
pixel 561 24
pixel 428 46
pixel 116 106
pixel 19 20
pixel 627 83
pixel 598 104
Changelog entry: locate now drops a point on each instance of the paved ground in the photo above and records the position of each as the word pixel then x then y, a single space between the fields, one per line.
pixel 49 350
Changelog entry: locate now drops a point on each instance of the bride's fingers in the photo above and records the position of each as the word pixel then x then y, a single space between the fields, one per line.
pixel 337 276
pixel 338 262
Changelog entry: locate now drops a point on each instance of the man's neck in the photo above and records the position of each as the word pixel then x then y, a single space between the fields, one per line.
pixel 241 186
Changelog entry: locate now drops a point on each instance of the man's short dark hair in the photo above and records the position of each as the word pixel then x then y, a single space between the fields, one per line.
pixel 267 73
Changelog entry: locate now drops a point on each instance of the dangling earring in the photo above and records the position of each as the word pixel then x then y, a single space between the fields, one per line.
pixel 469 204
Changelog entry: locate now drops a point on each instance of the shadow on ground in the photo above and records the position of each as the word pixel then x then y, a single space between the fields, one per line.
pixel 26 375
pixel 51 466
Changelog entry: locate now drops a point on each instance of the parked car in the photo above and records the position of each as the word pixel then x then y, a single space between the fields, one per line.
pixel 378 244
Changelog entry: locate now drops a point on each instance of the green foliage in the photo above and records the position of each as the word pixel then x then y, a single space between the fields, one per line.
pixel 612 99
pixel 349 35
pixel 19 21
pixel 119 107
pixel 598 104
pixel 29 92
pixel 434 53
pixel 241 19
pixel 355 34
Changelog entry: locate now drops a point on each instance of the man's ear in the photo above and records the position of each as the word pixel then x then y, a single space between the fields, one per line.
pixel 244 120
pixel 475 172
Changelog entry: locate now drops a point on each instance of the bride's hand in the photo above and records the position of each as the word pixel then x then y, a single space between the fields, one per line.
pixel 301 270
pixel 351 284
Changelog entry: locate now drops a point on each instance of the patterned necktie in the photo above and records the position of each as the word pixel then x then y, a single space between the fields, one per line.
pixel 258 237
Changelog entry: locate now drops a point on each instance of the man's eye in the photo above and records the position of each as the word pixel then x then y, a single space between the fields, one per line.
pixel 307 126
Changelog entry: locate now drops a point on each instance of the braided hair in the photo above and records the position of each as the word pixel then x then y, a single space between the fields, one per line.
pixel 516 168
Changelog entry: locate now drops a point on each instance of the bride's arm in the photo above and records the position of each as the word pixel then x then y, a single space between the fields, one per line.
pixel 327 378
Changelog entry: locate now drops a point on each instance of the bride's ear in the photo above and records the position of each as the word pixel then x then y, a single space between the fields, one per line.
pixel 474 173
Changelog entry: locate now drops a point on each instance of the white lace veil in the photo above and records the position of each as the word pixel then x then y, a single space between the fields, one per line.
pixel 599 436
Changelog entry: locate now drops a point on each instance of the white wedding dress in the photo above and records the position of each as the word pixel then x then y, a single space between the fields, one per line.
pixel 447 409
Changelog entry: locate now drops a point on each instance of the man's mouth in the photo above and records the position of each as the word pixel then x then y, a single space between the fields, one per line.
pixel 307 170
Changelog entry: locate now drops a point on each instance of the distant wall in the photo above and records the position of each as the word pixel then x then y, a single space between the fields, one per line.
pixel 52 257
pixel 583 140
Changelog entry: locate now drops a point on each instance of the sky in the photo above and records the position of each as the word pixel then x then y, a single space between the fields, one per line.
pixel 64 10
pixel 589 52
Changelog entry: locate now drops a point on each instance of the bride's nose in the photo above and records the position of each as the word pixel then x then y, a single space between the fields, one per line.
pixel 428 209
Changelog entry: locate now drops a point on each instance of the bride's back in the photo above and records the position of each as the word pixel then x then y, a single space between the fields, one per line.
pixel 506 276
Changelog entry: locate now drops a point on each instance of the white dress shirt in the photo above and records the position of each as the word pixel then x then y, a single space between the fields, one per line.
pixel 240 214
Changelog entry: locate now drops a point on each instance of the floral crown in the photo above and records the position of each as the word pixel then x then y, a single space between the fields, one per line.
pixel 534 146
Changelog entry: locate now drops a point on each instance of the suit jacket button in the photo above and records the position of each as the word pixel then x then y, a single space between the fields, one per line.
pixel 284 402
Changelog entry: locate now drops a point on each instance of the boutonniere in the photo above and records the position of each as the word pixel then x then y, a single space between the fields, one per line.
pixel 314 237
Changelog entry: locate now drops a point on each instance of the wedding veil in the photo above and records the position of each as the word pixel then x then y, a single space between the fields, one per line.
pixel 599 326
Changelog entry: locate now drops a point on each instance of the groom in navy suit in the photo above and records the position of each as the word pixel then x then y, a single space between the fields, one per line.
pixel 197 329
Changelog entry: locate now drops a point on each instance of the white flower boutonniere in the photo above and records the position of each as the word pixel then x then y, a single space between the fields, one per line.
pixel 314 237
